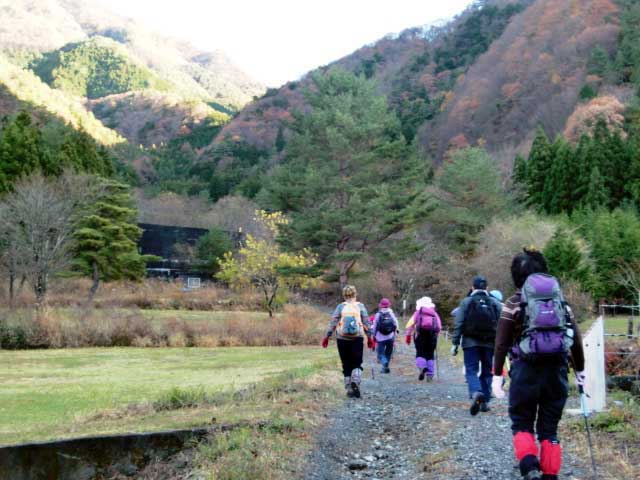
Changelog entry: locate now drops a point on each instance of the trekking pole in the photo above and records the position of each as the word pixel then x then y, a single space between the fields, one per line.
pixel 585 414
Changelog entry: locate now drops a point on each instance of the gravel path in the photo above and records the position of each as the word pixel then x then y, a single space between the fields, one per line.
pixel 405 429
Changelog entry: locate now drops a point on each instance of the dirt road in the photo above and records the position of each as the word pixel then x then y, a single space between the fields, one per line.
pixel 405 429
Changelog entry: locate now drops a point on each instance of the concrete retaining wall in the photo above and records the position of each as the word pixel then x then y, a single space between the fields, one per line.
pixel 93 457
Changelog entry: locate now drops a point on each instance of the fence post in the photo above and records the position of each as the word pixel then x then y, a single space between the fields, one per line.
pixel 595 383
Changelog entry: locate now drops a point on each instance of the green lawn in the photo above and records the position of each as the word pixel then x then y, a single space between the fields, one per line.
pixel 613 324
pixel 49 394
pixel 196 316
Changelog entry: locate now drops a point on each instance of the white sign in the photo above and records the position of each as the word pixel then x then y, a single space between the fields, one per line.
pixel 596 383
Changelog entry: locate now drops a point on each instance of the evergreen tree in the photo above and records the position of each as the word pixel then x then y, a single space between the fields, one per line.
pixel 538 168
pixel 210 249
pixel 20 149
pixel 560 183
pixel 107 238
pixel 350 182
pixel 565 259
pixel 470 195
pixel 597 195
pixel 519 178
pixel 599 62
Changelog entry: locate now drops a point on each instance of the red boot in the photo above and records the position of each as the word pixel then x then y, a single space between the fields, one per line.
pixel 550 459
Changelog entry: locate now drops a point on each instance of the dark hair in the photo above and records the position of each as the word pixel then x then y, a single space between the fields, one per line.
pixel 525 264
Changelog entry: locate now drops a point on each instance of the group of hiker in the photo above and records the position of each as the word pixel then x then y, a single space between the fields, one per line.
pixel 534 329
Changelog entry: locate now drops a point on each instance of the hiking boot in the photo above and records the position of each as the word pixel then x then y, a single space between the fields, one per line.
pixel 429 378
pixel 355 389
pixel 350 392
pixel 385 367
pixel 546 476
pixel 387 370
pixel 533 475
pixel 484 407
pixel 476 400
pixel 423 372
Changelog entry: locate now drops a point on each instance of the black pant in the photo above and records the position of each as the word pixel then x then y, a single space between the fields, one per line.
pixel 425 343
pixel 537 395
pixel 350 354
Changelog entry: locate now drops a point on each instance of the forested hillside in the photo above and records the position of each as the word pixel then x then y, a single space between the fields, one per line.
pixel 490 77
pixel 30 28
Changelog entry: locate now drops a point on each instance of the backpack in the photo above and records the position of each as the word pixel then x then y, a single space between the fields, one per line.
pixel 425 321
pixel 546 323
pixel 385 324
pixel 481 318
pixel 350 324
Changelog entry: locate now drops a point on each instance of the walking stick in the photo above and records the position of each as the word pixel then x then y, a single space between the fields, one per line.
pixel 585 414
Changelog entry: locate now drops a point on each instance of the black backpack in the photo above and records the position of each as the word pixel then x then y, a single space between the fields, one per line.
pixel 481 318
pixel 386 324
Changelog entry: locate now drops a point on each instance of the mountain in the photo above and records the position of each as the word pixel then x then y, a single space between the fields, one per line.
pixel 118 81
pixel 41 26
pixel 20 89
pixel 489 77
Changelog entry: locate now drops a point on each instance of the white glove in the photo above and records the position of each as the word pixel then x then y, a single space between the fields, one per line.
pixel 580 378
pixel 496 387
pixel 454 350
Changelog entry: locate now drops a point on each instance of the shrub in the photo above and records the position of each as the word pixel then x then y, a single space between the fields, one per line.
pixel 177 398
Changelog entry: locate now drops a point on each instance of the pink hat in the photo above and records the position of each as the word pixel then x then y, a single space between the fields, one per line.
pixel 384 303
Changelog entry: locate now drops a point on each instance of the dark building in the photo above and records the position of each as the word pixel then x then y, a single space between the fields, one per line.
pixel 172 245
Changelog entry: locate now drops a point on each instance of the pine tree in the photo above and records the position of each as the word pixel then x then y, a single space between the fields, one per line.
pixel 562 179
pixel 538 168
pixel 107 236
pixel 20 149
pixel 597 195
pixel 350 181
pixel 564 257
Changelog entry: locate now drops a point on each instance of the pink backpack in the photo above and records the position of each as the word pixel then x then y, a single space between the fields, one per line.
pixel 425 321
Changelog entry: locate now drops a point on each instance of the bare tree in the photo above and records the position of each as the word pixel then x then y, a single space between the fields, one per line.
pixel 628 277
pixel 40 216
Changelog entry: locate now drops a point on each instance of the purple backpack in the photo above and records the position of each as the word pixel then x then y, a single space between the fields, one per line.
pixel 546 324
pixel 425 320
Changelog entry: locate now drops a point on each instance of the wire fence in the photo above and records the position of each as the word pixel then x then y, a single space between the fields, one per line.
pixel 612 313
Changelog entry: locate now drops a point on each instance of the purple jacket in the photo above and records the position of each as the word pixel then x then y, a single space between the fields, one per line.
pixel 379 336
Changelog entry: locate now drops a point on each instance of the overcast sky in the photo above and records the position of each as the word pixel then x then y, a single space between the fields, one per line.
pixel 279 40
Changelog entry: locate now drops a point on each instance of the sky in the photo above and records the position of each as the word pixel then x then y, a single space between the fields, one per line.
pixel 279 40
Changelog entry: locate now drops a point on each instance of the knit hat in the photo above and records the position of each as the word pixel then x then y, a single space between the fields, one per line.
pixel 479 282
pixel 497 294
pixel 384 303
pixel 425 302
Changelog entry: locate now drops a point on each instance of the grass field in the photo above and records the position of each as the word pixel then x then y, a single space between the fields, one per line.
pixel 49 394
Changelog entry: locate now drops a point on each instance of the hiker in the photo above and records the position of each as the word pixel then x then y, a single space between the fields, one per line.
pixel 538 332
pixel 385 326
pixel 475 327
pixel 350 321
pixel 424 327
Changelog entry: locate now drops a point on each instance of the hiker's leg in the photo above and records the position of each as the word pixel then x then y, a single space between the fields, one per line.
pixel 380 351
pixel 486 361
pixel 431 343
pixel 421 351
pixel 471 367
pixel 344 350
pixel 357 348
pixel 389 349
pixel 524 392
pixel 553 399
